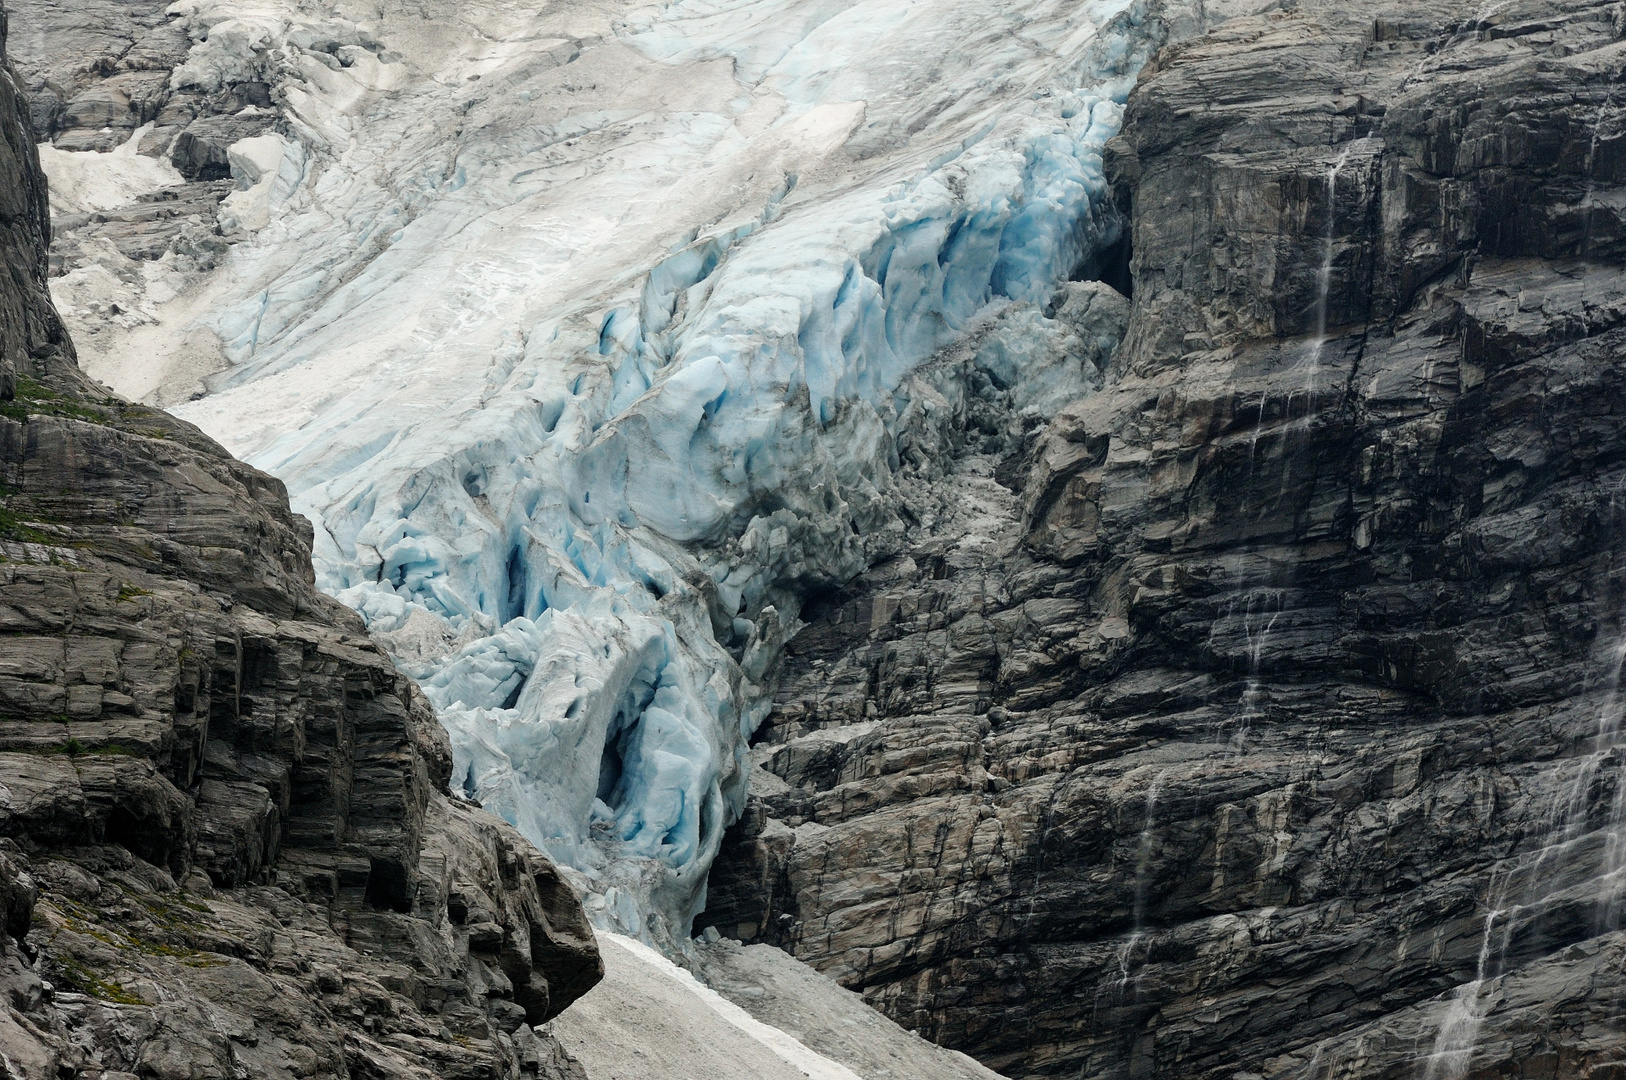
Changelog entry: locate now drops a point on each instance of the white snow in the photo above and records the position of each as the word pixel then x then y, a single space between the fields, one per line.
pixel 760 1014
pixel 581 332
pixel 787 994
pixel 650 1018
pixel 84 181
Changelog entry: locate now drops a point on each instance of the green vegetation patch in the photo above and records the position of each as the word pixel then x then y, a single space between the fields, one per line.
pixel 18 526
pixel 79 978
pixel 36 398
pixel 77 919
pixel 14 528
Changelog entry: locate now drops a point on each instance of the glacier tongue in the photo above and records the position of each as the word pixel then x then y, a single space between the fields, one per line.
pixel 583 335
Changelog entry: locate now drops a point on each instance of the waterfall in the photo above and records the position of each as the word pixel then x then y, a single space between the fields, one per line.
pixel 1116 988
pixel 1323 280
pixel 1459 1027
pixel 1609 748
pixel 1253 691
pixel 1543 879
pixel 1143 852
pixel 1589 195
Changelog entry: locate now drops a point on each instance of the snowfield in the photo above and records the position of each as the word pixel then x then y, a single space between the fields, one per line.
pixel 583 332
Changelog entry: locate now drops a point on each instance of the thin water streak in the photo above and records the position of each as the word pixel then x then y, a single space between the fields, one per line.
pixel 1117 988
pixel 1459 1028
pixel 1324 274
pixel 1568 822
pixel 1143 853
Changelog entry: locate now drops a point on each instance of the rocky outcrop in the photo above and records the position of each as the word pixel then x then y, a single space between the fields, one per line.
pixel 96 71
pixel 225 842
pixel 1265 721
pixel 99 74
pixel 152 127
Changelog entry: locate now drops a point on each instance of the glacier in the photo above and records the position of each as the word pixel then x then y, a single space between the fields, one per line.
pixel 586 334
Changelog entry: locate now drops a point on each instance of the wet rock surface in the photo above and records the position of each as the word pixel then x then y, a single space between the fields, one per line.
pixel 1259 716
pixel 226 848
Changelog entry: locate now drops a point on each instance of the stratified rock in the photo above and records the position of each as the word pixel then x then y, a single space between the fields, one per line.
pixel 1270 708
pixel 95 71
pixel 28 322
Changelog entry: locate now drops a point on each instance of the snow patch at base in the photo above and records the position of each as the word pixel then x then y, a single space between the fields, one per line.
pixel 650 1017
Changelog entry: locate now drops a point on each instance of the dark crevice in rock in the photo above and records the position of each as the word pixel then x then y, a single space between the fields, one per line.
pixel 1110 264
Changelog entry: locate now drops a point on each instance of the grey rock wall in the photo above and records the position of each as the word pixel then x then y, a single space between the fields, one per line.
pixel 1259 716
pixel 28 323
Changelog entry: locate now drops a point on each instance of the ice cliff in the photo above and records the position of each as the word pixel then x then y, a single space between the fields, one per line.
pixel 583 335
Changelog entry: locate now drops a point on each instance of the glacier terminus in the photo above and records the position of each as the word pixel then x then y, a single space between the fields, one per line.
pixel 584 334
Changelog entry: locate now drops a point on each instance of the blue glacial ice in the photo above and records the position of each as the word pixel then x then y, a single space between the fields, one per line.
pixel 585 339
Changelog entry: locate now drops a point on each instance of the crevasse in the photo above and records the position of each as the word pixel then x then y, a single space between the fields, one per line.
pixel 575 451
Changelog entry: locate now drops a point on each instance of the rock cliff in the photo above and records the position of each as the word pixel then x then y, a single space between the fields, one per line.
pixel 1259 716
pixel 225 843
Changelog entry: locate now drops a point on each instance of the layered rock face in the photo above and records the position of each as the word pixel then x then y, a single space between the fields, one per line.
pixel 1260 716
pixel 225 843
pixel 96 71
